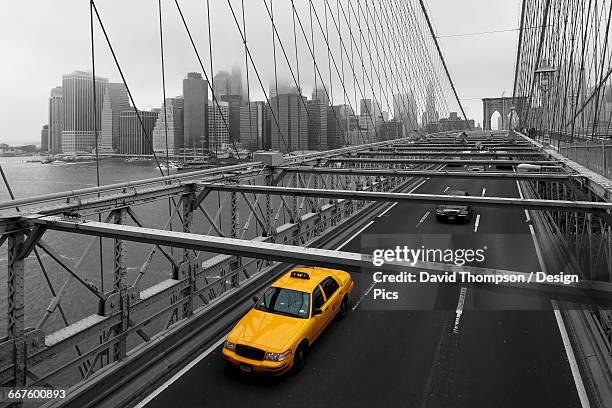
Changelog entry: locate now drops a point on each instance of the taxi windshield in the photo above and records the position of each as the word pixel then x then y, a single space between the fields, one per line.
pixel 285 302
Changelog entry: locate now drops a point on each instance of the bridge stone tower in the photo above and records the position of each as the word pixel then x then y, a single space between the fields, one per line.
pixel 490 105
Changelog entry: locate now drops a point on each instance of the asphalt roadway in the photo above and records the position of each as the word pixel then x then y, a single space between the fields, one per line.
pixel 427 355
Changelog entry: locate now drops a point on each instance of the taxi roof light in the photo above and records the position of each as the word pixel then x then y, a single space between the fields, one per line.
pixel 299 275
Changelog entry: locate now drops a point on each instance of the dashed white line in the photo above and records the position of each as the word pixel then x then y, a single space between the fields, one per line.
pixel 571 358
pixel 484 190
pixel 459 310
pixel 423 219
pixel 176 376
pixel 446 189
pixel 387 210
pixel 364 295
pixel 477 222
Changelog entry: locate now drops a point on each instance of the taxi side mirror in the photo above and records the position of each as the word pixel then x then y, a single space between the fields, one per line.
pixel 255 299
pixel 317 311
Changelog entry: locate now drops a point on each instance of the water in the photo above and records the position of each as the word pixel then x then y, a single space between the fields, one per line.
pixel 28 179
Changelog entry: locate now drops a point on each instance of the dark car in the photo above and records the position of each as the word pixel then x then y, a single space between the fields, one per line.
pixel 454 212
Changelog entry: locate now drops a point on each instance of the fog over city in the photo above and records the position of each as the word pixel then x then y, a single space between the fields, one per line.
pixel 43 40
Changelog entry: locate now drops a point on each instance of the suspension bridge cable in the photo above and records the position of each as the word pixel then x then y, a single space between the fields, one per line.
pixel 95 120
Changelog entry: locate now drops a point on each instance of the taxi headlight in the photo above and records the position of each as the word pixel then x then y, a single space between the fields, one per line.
pixel 230 346
pixel 439 211
pixel 463 212
pixel 277 356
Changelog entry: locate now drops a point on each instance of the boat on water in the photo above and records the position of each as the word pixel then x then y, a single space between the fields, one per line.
pixel 171 165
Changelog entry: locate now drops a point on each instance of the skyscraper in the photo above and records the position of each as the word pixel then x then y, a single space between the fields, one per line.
pixel 228 88
pixel 195 94
pixel 56 120
pixel 319 94
pixel 116 100
pixel 365 107
pixel 218 115
pixel 405 110
pixel 342 127
pixel 80 122
pixel 134 136
pixel 253 126
pixel 44 138
pixel 173 127
pixel 431 114
pixel 291 131
pixel 317 125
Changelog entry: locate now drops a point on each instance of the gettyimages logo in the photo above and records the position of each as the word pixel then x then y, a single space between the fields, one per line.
pixel 457 257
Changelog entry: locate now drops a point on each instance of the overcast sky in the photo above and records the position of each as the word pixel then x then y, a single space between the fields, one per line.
pixel 41 40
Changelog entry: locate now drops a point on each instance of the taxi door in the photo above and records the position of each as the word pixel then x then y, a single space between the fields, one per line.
pixel 318 322
pixel 332 298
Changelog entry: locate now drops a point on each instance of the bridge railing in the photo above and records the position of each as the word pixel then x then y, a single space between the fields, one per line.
pixel 51 344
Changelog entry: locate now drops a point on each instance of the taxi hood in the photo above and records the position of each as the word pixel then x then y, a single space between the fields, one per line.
pixel 267 331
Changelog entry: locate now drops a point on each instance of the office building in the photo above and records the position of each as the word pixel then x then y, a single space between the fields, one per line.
pixel 289 122
pixel 56 120
pixel 168 131
pixel 405 110
pixel 116 100
pixel 320 94
pixel 218 119
pixel 44 138
pixel 195 95
pixel 342 127
pixel 228 88
pixel 135 134
pixel 81 123
pixel 317 125
pixel 393 129
pixel 430 115
pixel 454 122
pixel 254 126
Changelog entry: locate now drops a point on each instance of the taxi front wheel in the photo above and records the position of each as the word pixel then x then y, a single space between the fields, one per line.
pixel 299 361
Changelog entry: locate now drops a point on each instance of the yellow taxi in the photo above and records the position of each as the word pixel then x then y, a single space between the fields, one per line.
pixel 275 335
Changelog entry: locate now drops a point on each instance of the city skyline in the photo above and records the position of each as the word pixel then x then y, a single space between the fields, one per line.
pixel 212 122
pixel 143 74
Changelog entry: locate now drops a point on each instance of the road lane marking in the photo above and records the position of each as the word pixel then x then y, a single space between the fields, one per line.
pixel 354 235
pixel 387 210
pixel 446 189
pixel 364 295
pixel 459 310
pixel 571 358
pixel 484 190
pixel 477 222
pixel 423 219
pixel 178 375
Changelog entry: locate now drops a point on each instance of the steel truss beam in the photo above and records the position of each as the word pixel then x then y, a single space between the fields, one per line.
pixel 431 173
pixel 464 152
pixel 601 208
pixel 587 291
pixel 437 161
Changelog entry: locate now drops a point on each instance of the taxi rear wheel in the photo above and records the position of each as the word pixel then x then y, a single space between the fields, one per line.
pixel 300 357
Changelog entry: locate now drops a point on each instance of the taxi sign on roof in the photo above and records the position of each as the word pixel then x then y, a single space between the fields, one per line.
pixel 300 275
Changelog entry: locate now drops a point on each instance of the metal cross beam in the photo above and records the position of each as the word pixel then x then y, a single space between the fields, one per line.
pixel 437 161
pixel 602 208
pixel 431 173
pixel 586 291
pixel 465 152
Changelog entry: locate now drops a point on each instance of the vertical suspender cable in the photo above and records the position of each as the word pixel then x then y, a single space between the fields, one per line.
pixel 95 118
